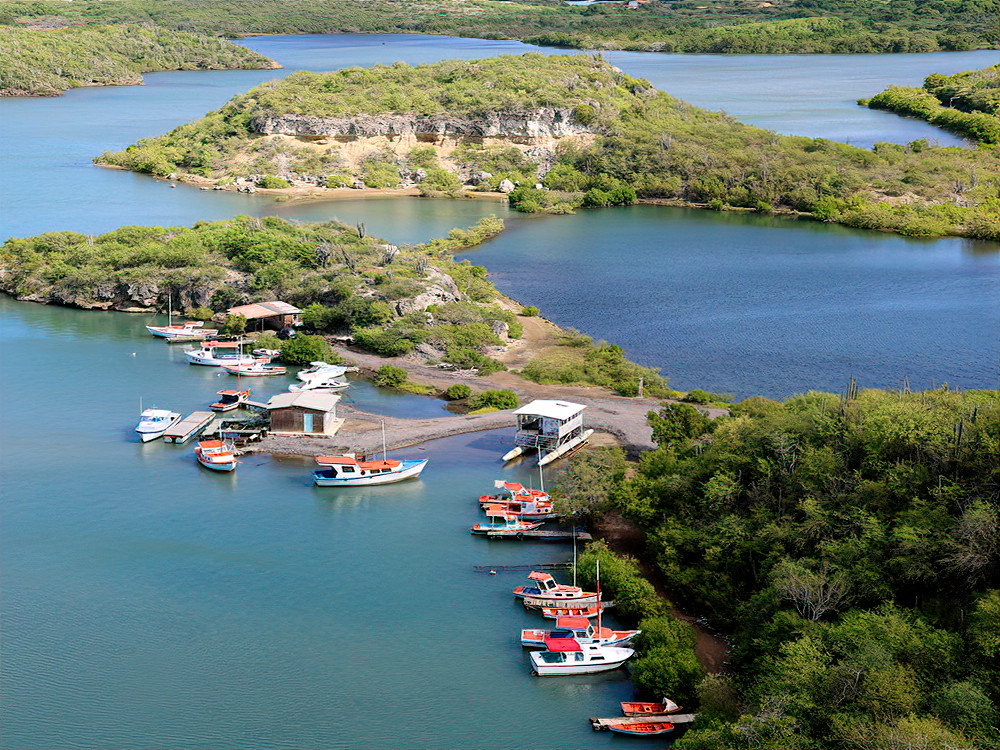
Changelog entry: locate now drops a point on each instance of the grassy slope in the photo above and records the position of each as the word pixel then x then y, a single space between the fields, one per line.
pixel 789 26
pixel 967 103
pixel 52 61
pixel 651 143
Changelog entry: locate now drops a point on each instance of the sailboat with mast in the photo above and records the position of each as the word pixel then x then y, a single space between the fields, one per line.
pixel 347 471
pixel 192 329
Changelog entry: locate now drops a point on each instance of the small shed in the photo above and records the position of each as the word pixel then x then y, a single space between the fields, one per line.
pixel 304 413
pixel 553 428
pixel 274 314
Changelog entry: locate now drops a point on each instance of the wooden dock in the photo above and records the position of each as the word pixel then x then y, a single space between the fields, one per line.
pixel 601 725
pixel 544 536
pixel 188 427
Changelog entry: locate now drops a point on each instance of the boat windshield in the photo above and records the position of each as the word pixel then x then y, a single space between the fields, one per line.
pixel 550 658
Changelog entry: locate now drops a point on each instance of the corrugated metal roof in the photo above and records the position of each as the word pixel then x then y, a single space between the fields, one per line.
pixel 551 409
pixel 264 310
pixel 304 399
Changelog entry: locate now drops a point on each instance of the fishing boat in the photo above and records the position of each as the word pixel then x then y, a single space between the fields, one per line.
pixel 591 611
pixel 192 328
pixel 567 656
pixel 347 471
pixel 230 400
pixel 513 491
pixel 216 455
pixel 154 422
pixel 501 524
pixel 545 586
pixel 219 354
pixel 527 510
pixel 640 729
pixel 580 629
pixel 255 369
pixel 666 706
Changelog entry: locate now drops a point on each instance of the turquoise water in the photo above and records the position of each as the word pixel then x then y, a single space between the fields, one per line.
pixel 149 603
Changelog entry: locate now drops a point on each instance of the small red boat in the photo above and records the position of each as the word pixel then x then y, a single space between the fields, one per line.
pixel 644 729
pixel 554 613
pixel 645 709
pixel 230 400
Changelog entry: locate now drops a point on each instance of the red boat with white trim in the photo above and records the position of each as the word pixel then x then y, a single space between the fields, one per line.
pixel 641 729
pixel 580 629
pixel 216 455
pixel 667 706
pixel 255 370
pixel 554 613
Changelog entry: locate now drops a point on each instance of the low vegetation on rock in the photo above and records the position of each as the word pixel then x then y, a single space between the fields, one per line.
pixel 48 62
pixel 558 133
pixel 965 103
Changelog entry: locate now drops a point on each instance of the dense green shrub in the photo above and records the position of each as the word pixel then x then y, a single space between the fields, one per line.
pixel 389 376
pixel 496 399
pixel 457 392
pixel 377 174
pixel 272 182
pixel 303 349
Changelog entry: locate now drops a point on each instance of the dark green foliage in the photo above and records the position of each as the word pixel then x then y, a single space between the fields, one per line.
pixel 500 399
pixel 676 423
pixel 272 182
pixel 584 489
pixel 530 311
pixel 233 325
pixel 848 546
pixel 305 349
pixel 49 62
pixel 622 582
pixel 936 107
pixel 389 376
pixel 457 392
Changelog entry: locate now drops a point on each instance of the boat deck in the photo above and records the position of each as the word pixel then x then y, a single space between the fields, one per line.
pixel 601 725
pixel 189 427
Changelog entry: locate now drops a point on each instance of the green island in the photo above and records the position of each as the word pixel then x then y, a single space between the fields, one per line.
pixel 392 300
pixel 728 26
pixel 558 133
pixel 48 62
pixel 846 545
pixel 966 103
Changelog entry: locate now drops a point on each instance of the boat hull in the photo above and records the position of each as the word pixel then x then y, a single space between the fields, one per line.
pixel 229 466
pixel 614 658
pixel 408 470
pixel 538 602
pixel 642 730
pixel 147 437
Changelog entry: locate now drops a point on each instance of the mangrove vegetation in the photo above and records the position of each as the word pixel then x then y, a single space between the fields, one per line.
pixel 46 62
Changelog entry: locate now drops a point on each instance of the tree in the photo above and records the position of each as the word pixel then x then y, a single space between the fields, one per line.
pixel 234 325
pixel 813 592
pixel 585 487
pixel 676 423
pixel 305 349
pixel 390 376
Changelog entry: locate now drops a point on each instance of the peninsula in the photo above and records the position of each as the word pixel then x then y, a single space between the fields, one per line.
pixel 557 133
pixel 49 61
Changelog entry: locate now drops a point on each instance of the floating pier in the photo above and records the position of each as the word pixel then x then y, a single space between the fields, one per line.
pixel 542 535
pixel 601 725
pixel 188 427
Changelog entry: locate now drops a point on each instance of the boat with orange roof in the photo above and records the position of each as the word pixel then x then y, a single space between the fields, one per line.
pixel 582 630
pixel 216 455
pixel 546 587
pixel 231 399
pixel 347 471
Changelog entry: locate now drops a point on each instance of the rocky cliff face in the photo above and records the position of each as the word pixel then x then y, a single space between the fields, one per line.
pixel 517 125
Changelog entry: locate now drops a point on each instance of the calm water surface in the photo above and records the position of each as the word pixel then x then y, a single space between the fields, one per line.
pixel 149 603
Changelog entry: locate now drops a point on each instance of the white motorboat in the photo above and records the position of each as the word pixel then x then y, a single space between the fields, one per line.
pixel 320 371
pixel 218 354
pixel 320 384
pixel 566 656
pixel 154 422
pixel 347 471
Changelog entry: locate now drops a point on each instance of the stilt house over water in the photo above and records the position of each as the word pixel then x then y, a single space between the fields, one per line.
pixel 553 428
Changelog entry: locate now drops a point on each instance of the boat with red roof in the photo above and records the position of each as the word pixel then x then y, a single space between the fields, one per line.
pixel 593 610
pixel 347 471
pixel 567 656
pixel 546 587
pixel 581 629
pixel 499 523
pixel 190 330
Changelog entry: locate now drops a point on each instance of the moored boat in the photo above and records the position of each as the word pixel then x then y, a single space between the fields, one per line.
pixel 347 471
pixel 218 354
pixel 319 371
pixel 320 384
pixel 634 708
pixel 580 629
pixel 590 611
pixel 255 369
pixel 191 329
pixel 545 585
pixel 154 422
pixel 566 656
pixel 216 455
pixel 230 400
pixel 501 524
pixel 641 729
